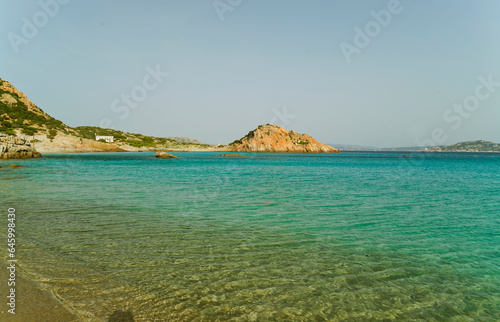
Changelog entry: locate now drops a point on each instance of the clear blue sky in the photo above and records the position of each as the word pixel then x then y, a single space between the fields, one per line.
pixel 228 76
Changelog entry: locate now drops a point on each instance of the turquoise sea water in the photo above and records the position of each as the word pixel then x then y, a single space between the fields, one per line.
pixel 304 237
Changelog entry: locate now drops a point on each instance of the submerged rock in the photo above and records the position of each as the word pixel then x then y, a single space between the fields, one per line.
pixel 164 155
pixel 15 166
pixel 232 155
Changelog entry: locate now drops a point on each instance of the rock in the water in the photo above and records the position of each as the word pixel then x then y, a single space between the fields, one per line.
pixel 15 166
pixel 232 155
pixel 164 155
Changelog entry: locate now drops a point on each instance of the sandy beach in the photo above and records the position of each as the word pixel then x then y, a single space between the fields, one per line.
pixel 32 303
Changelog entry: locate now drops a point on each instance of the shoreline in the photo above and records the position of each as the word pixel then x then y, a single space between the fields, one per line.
pixel 33 303
pixel 265 152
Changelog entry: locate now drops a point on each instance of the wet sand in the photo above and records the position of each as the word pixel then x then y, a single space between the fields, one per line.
pixel 32 303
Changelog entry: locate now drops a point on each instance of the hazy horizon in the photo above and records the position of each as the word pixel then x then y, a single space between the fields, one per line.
pixel 380 73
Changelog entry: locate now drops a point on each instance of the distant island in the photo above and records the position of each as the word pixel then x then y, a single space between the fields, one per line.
pixel 469 146
pixel 183 139
pixel 21 118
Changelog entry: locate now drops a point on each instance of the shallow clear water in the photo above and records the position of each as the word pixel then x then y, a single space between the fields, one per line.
pixel 312 237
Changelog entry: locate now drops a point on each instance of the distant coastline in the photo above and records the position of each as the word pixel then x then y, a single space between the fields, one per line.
pixel 22 119
pixel 478 146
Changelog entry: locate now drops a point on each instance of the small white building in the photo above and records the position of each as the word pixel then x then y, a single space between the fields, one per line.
pixel 108 139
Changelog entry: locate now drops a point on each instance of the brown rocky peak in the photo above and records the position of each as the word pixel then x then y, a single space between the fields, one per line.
pixel 274 138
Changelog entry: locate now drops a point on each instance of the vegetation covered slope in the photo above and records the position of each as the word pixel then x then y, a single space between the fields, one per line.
pixel 20 117
pixel 134 139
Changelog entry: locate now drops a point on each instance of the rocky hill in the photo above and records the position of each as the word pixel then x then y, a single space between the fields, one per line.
pixel 21 118
pixel 469 146
pixel 183 139
pixel 18 115
pixel 273 138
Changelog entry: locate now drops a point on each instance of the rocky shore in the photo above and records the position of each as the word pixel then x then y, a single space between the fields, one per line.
pixel 16 148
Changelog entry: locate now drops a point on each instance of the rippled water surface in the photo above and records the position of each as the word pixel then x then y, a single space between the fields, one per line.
pixel 311 237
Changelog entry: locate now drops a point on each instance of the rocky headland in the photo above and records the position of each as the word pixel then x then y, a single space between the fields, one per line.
pixel 19 117
pixel 274 138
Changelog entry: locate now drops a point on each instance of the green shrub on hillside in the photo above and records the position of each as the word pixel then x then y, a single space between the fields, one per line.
pixel 134 143
pixel 52 134
pixel 29 130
